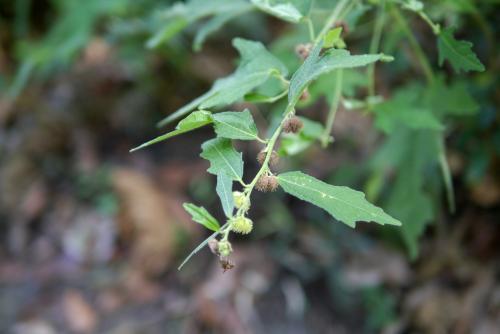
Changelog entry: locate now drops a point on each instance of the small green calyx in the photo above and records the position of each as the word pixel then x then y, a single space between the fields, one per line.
pixel 224 248
pixel 241 225
pixel 241 201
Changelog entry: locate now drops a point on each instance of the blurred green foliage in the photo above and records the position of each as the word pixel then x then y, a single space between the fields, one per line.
pixel 416 118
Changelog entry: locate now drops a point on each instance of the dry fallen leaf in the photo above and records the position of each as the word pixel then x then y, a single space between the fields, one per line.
pixel 146 220
pixel 78 313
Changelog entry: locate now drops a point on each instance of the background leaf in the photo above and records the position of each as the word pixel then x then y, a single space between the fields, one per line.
pixel 405 109
pixel 459 53
pixel 288 10
pixel 182 14
pixel 344 204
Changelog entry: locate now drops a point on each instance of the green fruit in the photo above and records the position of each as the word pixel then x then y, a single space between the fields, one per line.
pixel 241 225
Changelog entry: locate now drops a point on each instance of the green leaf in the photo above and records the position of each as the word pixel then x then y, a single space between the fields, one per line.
pixel 405 109
pixel 314 66
pixel 224 159
pixel 202 216
pixel 459 53
pixel 168 31
pixel 193 121
pixel 211 26
pixel 344 204
pixel 225 191
pixel 235 125
pixel 389 118
pixel 332 37
pixel 408 201
pixel 256 67
pixel 287 10
pixel 182 14
pixel 454 99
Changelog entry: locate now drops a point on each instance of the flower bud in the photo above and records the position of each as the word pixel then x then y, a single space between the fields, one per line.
pixel 292 125
pixel 225 248
pixel 241 225
pixel 303 50
pixel 305 95
pixel 240 200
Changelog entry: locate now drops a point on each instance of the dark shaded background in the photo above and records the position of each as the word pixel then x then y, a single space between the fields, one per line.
pixel 91 235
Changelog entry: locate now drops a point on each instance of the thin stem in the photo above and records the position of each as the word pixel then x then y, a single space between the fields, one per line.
pixel 269 149
pixel 445 170
pixel 426 67
pixel 310 27
pixel 325 138
pixel 436 28
pixel 374 46
pixel 443 163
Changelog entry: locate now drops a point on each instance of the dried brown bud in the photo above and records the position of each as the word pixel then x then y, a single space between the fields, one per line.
pixel 214 246
pixel 292 125
pixel 303 50
pixel 273 160
pixel 344 25
pixel 267 183
pixel 305 95
pixel 226 265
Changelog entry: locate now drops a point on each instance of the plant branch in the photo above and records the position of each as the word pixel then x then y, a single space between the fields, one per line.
pixel 426 67
pixel 374 46
pixel 325 138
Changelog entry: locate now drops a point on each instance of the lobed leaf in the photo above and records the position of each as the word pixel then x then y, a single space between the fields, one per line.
pixel 287 10
pixel 182 14
pixel 235 125
pixel 344 204
pixel 459 53
pixel 314 66
pixel 202 216
pixel 256 66
pixel 223 158
pixel 453 99
pixel 193 121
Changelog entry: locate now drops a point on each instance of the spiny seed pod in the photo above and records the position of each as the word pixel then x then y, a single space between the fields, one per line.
pixel 241 225
pixel 273 160
pixel 305 95
pixel 267 183
pixel 241 201
pixel 224 248
pixel 292 125
pixel 303 50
